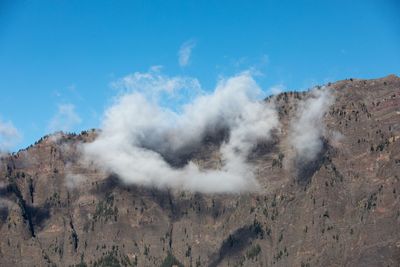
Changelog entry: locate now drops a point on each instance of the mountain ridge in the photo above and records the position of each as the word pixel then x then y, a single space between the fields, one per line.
pixel 341 208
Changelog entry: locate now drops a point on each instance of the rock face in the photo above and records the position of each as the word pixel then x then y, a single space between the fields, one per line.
pixel 341 209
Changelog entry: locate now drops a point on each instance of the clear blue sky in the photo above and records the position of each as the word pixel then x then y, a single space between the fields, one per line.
pixel 59 52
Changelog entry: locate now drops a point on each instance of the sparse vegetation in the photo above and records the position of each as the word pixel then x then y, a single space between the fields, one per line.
pixel 170 261
pixel 253 252
pixel 106 209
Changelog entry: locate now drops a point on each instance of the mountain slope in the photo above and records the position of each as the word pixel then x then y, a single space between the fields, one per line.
pixel 340 209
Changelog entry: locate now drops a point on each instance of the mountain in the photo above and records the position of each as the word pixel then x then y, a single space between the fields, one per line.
pixel 342 208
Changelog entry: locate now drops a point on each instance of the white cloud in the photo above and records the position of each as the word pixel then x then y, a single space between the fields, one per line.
pixel 185 52
pixel 148 138
pixel 307 128
pixel 157 87
pixel 153 83
pixel 65 119
pixel 9 136
pixel 140 135
pixel 277 89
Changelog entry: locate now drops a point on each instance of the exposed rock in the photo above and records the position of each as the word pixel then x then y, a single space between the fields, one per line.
pixel 341 209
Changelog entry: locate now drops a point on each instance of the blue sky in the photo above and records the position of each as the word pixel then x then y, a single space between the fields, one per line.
pixel 58 58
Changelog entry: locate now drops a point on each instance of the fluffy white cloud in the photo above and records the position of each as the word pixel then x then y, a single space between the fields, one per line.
pixel 9 136
pixel 65 119
pixel 148 136
pixel 307 128
pixel 185 52
pixel 139 134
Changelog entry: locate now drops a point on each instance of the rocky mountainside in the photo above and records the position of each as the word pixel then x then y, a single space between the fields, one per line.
pixel 340 209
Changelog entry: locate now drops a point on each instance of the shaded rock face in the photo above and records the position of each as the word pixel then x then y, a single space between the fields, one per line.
pixel 341 209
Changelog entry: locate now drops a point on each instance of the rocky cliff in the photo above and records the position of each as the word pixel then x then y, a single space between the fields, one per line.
pixel 340 209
